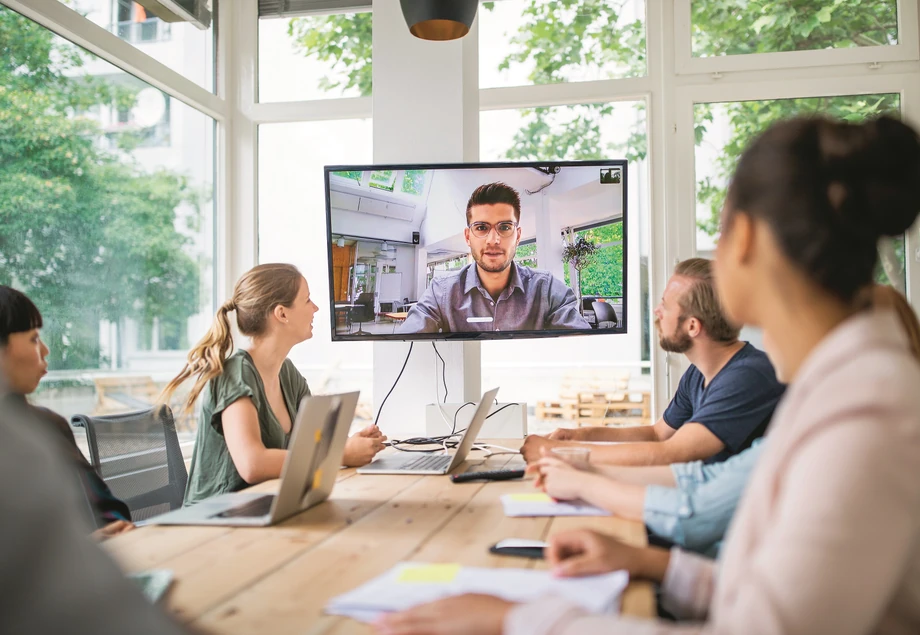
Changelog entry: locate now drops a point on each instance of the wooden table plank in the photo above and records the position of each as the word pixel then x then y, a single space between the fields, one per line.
pixel 150 546
pixel 216 571
pixel 292 599
pixel 278 579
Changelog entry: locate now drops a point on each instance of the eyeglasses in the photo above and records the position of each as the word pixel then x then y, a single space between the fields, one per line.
pixel 504 229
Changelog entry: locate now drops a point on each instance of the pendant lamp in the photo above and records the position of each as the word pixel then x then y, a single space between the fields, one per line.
pixel 439 20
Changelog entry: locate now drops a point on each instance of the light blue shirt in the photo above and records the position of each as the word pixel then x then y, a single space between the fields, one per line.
pixel 695 514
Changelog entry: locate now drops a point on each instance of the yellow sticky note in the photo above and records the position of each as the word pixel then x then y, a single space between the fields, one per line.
pixel 536 497
pixel 429 573
pixel 318 435
pixel 317 479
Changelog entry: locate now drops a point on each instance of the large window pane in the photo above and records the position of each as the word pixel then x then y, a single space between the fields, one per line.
pixel 723 130
pixel 181 46
pixel 541 371
pixel 315 57
pixel 523 42
pixel 106 219
pixel 292 228
pixel 737 27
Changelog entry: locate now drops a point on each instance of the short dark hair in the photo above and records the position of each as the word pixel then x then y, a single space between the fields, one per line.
pixel 17 313
pixel 493 193
pixel 829 190
pixel 702 301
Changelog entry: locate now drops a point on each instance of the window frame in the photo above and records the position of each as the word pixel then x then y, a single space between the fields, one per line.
pixel 687 97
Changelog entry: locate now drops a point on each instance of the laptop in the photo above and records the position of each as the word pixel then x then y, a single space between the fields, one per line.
pixel 424 463
pixel 307 478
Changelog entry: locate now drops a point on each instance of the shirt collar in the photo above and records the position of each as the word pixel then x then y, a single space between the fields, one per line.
pixel 868 329
pixel 473 281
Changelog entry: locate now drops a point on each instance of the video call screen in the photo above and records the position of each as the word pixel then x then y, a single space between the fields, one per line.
pixel 477 250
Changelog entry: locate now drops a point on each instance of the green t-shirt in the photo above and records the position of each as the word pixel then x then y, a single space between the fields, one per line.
pixel 212 471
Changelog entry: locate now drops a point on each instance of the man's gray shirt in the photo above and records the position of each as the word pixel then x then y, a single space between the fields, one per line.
pixel 534 300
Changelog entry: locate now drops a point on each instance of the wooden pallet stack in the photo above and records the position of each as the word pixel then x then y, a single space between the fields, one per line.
pixel 614 408
pixel 591 399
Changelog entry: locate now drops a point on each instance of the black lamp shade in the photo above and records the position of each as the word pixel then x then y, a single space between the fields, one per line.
pixel 439 19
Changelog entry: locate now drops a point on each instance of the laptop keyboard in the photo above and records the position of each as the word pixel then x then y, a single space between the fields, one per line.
pixel 260 506
pixel 428 462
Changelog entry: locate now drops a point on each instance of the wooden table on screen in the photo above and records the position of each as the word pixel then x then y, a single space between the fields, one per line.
pixel 277 579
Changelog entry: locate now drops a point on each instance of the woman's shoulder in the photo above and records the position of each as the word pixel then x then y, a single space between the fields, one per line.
pixel 238 378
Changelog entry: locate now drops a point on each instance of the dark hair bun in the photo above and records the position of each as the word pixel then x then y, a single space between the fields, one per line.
pixel 877 163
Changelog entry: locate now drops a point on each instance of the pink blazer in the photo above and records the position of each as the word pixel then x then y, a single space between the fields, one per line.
pixel 825 539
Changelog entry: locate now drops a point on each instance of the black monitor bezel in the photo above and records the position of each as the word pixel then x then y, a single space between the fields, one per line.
pixel 621 329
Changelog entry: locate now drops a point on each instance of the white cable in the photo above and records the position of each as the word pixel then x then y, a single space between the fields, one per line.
pixel 503 449
pixel 450 426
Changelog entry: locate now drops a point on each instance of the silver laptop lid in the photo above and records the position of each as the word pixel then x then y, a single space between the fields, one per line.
pixel 317 440
pixel 472 430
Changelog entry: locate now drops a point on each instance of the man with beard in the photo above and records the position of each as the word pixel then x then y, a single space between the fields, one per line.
pixel 494 293
pixel 723 402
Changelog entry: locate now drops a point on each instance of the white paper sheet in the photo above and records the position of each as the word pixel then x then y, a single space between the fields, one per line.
pixel 537 504
pixel 409 584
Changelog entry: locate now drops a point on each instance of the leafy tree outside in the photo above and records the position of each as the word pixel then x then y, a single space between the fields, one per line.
pixel 86 233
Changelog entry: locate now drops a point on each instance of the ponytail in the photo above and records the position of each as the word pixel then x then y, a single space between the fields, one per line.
pixel 255 296
pixel 205 360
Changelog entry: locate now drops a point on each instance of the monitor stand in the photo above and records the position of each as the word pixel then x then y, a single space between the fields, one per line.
pixel 422 382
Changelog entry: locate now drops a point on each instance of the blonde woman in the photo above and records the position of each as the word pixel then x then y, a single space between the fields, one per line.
pixel 249 398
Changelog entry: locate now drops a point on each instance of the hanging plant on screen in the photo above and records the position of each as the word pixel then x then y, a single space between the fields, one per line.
pixel 579 254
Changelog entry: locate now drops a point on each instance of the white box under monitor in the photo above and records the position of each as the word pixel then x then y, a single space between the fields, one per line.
pixel 505 420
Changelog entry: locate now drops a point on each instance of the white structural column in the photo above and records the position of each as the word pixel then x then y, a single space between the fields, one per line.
pixel 426 110
pixel 239 237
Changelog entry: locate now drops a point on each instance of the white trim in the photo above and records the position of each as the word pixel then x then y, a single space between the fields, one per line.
pixel 907 49
pixel 241 239
pixel 315 110
pixel 665 248
pixel 608 90
pixel 69 24
pixel 795 88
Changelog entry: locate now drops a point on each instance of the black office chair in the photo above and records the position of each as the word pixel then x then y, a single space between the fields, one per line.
pixel 138 455
pixel 605 315
pixel 587 310
pixel 363 311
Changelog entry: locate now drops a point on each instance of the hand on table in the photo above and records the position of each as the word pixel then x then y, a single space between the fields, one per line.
pixel 112 529
pixel 470 614
pixel 362 447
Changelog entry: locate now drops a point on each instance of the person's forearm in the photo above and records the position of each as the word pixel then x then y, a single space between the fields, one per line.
pixel 625 434
pixel 637 475
pixel 623 499
pixel 260 466
pixel 635 454
pixel 651 564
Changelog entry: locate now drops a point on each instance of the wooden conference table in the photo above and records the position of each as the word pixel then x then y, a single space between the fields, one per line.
pixel 277 579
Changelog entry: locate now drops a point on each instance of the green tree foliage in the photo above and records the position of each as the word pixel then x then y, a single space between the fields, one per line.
pixel 526 255
pixel 414 181
pixel 345 41
pixel 603 276
pixel 85 232
pixel 768 26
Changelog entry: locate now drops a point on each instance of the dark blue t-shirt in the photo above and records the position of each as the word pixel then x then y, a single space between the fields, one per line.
pixel 737 404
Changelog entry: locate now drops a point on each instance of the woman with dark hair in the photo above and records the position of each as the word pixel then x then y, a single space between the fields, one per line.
pixel 22 365
pixel 825 537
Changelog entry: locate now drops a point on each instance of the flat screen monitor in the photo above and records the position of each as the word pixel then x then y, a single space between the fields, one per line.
pixel 477 250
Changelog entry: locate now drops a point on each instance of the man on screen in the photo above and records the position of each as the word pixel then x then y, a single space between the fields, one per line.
pixel 495 293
